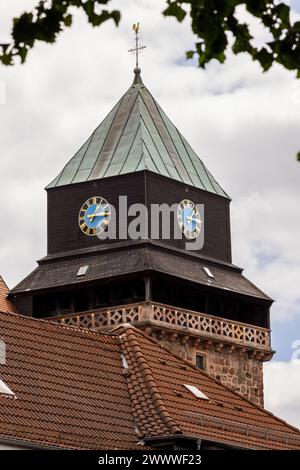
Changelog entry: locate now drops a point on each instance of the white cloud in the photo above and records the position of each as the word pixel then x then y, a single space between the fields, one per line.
pixel 282 390
pixel 265 242
pixel 294 4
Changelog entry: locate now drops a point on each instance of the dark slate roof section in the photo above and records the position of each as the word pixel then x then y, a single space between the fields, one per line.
pixel 135 259
pixel 225 278
pixel 78 389
pixel 101 266
pixel 137 135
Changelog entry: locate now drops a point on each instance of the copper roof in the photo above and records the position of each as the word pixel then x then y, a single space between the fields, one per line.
pixel 85 390
pixel 137 135
pixel 5 304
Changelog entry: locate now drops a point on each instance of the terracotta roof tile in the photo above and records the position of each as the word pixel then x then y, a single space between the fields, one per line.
pixel 5 304
pixel 86 390
pixel 238 421
pixel 150 412
pixel 69 385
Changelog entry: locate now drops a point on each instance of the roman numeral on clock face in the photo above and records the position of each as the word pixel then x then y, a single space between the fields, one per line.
pixel 189 219
pixel 94 216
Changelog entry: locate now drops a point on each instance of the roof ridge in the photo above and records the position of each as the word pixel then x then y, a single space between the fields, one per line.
pixel 140 132
pixel 151 414
pixel 150 107
pixel 25 278
pixel 127 103
pixel 3 282
pixel 181 162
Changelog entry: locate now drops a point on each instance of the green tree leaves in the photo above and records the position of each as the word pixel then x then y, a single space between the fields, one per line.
pixel 47 21
pixel 214 20
pixel 174 9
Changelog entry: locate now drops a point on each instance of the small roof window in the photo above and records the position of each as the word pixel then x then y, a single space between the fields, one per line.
pixel 208 272
pixel 2 352
pixel 82 271
pixel 196 392
pixel 124 362
pixel 5 390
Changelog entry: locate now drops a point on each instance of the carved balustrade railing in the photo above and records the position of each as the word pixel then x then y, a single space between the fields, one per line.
pixel 176 319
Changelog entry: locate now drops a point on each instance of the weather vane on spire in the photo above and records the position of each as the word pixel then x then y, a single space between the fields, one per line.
pixel 138 47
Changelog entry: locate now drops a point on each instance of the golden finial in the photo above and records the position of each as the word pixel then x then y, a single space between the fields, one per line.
pixel 136 27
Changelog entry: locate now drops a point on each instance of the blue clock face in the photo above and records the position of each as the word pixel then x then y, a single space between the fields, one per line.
pixel 189 219
pixel 94 216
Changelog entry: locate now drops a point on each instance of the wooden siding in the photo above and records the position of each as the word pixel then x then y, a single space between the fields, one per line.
pixel 65 202
pixel 217 239
pixel 148 188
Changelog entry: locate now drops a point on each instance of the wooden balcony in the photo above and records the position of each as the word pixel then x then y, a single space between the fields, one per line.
pixel 181 322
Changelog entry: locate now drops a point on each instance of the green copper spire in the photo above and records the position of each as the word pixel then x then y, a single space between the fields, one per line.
pixel 137 135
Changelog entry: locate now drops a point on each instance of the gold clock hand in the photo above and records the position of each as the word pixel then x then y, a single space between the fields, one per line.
pixel 98 215
pixel 94 215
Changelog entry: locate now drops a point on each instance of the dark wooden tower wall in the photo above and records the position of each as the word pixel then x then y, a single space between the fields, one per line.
pixel 217 237
pixel 143 187
pixel 65 202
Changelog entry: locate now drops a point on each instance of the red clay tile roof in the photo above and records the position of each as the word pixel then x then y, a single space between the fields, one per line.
pixel 226 417
pixel 5 305
pixel 152 416
pixel 69 385
pixel 85 390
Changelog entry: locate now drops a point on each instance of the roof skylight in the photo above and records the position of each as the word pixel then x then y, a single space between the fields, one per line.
pixel 2 352
pixel 4 389
pixel 208 272
pixel 124 361
pixel 196 392
pixel 82 271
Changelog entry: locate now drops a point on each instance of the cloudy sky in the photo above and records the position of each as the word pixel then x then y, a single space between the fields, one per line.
pixel 244 124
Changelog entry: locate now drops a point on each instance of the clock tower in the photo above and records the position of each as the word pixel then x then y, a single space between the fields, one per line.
pixel 139 232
